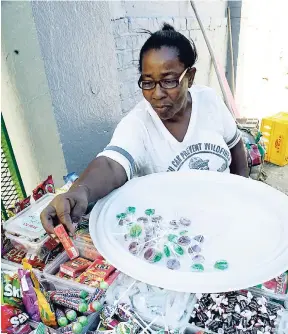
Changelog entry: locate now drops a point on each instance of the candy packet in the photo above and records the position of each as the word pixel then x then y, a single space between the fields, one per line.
pixel 75 267
pixel 11 290
pixel 12 319
pixel 46 311
pixel 15 255
pixel 29 296
pixel 277 285
pixel 6 244
pixel 21 205
pixel 66 241
pixel 45 187
pixel 97 272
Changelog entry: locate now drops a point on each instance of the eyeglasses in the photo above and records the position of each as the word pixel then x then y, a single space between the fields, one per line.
pixel 165 83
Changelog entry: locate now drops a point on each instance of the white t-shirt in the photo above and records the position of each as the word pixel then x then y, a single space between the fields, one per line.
pixel 143 145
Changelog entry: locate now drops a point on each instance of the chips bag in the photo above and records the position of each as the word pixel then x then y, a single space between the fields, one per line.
pixel 21 205
pixel 29 296
pixel 11 290
pixel 46 311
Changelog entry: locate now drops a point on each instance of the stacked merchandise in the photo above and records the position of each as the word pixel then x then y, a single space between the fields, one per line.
pixel 65 286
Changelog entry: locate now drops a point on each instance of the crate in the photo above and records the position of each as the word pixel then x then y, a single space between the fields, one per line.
pixel 275 137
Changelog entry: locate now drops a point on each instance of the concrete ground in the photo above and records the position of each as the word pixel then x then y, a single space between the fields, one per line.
pixel 277 177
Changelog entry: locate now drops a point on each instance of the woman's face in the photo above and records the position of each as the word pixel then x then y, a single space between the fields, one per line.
pixel 163 64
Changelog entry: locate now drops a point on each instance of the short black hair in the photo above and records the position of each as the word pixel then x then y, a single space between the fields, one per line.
pixel 169 37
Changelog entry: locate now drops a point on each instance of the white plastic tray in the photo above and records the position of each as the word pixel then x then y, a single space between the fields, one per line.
pixel 27 225
pixel 53 268
pixel 245 221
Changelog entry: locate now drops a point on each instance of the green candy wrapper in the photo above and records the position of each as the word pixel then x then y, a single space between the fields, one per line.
pixel 11 290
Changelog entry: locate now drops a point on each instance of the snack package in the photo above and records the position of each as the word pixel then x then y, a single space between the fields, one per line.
pixel 75 267
pixel 47 313
pixel 66 241
pixel 11 290
pixel 61 275
pixel 15 255
pixel 49 245
pixel 99 271
pixel 6 244
pixel 277 285
pixel 12 318
pixel 82 234
pixel 21 205
pixel 29 296
pixel 45 187
pixel 33 260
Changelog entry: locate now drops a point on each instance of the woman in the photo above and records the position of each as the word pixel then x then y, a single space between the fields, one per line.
pixel 176 127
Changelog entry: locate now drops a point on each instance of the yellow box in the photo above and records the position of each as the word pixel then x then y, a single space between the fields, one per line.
pixel 275 137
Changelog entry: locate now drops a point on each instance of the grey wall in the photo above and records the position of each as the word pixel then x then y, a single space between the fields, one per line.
pixel 129 17
pixel 235 15
pixel 78 50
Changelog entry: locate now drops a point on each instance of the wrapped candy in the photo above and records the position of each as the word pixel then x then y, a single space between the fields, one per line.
pixel 43 188
pixel 29 296
pixel 11 291
pixel 12 319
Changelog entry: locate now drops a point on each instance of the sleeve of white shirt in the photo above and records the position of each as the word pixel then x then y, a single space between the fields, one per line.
pixel 231 134
pixel 127 145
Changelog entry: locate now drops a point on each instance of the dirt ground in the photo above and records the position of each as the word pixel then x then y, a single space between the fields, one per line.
pixel 277 177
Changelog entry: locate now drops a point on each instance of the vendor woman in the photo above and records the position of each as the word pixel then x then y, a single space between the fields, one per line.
pixel 178 126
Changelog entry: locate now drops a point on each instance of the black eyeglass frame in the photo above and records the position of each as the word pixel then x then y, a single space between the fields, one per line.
pixel 160 82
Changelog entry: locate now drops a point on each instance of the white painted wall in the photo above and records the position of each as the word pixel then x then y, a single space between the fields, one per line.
pixel 26 103
pixel 262 72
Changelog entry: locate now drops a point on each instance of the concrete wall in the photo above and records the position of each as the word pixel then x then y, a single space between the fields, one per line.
pixel 129 17
pixel 78 50
pixel 26 103
pixel 262 71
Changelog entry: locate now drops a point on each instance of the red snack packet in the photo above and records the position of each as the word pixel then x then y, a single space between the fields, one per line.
pixel 66 241
pixel 75 267
pixel 29 296
pixel 99 271
pixel 15 255
pixel 112 277
pixel 91 253
pixel 48 247
pixel 45 187
pixel 34 261
pixel 277 285
pixel 62 275
pixel 21 205
pixel 12 318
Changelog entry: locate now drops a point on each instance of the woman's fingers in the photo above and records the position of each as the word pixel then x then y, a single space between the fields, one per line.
pixel 47 217
pixel 63 211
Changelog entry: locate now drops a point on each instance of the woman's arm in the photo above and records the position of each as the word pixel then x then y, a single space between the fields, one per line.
pixel 239 164
pixel 102 176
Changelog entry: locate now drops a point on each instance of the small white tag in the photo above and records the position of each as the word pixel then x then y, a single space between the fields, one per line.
pixel 24 284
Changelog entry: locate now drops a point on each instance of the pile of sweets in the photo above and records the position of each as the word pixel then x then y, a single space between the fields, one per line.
pixel 235 312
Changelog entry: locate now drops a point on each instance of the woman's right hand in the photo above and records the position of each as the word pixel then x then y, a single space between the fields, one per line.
pixel 66 209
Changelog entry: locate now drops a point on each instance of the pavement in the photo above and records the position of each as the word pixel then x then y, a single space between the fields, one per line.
pixel 277 177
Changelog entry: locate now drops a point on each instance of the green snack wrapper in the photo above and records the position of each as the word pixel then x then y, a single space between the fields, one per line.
pixel 11 290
